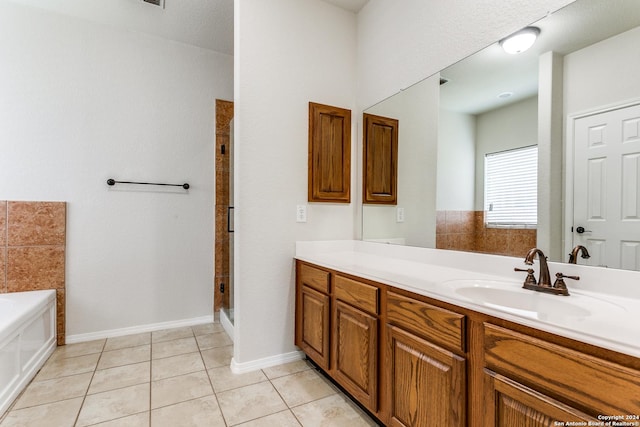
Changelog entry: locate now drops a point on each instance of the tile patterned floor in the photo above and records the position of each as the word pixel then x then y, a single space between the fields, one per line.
pixel 175 378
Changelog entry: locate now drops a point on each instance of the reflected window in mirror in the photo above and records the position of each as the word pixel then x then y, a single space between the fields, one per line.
pixel 511 190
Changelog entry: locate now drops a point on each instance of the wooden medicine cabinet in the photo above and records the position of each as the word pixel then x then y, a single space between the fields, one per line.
pixel 329 154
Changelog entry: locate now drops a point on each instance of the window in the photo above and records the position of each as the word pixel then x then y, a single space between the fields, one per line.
pixel 511 188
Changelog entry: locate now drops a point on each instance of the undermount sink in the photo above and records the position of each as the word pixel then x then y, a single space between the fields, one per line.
pixel 510 297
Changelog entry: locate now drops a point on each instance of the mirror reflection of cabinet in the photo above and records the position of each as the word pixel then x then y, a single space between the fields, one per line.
pixel 380 181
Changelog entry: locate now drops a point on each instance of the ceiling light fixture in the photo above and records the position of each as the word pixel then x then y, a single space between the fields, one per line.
pixel 520 41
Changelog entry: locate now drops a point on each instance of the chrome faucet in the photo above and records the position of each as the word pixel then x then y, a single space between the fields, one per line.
pixel 543 283
pixel 573 256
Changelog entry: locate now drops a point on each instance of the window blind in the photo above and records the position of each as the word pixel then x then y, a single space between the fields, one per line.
pixel 511 187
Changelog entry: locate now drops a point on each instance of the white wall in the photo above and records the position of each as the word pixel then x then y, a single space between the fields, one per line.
pixel 287 53
pixel 456 161
pixel 603 74
pixel 416 110
pixel 81 103
pixel 506 128
pixel 400 43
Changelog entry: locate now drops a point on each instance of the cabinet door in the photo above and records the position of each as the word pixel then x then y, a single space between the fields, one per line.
pixel 510 404
pixel 329 154
pixel 312 325
pixel 426 383
pixel 355 353
pixel 380 161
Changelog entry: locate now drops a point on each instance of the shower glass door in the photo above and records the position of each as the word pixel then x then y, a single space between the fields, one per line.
pixel 227 300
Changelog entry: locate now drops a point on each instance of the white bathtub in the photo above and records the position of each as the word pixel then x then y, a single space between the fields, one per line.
pixel 27 339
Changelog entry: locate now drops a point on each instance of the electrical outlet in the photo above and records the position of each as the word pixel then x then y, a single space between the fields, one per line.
pixel 301 213
pixel 399 214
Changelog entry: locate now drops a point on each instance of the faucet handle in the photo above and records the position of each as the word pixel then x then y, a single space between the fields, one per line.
pixel 530 280
pixel 560 285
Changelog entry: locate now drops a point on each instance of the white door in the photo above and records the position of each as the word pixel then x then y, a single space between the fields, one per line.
pixel 606 187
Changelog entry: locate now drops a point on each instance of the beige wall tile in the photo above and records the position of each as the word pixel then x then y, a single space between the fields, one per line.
pixel 35 268
pixel 36 223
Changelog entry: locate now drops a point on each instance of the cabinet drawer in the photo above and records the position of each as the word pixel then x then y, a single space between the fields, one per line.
pixel 356 293
pixel 594 385
pixel 314 277
pixel 440 326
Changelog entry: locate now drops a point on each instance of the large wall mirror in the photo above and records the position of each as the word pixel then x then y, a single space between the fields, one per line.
pixel 552 103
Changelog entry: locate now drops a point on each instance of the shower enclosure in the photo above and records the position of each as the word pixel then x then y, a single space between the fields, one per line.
pixel 227 294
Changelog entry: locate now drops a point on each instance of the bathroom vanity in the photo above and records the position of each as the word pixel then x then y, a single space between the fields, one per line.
pixel 421 342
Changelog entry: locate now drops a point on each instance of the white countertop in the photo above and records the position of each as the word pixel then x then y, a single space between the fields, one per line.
pixel 603 308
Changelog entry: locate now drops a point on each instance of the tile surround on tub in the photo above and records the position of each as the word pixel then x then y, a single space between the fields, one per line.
pixel 32 250
pixel 35 268
pixel 3 277
pixel 36 223
pixel 3 223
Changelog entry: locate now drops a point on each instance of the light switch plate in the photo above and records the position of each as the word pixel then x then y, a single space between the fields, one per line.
pixel 399 214
pixel 301 213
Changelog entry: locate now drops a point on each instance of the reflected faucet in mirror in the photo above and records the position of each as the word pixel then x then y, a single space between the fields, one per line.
pixel 573 256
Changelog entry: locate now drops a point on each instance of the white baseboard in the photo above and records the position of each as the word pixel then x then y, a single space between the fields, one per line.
pixel 227 325
pixel 72 339
pixel 267 362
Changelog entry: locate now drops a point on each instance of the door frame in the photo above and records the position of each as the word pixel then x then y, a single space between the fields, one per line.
pixel 567 176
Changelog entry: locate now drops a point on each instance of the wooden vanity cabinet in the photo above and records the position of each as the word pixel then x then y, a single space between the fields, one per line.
pixel 355 339
pixel 511 404
pixel 413 361
pixel 426 383
pixel 313 310
pixel 534 382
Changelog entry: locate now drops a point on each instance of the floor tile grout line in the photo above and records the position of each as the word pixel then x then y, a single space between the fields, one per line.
pixel 95 369
pixel 336 391
pixel 16 401
pixel 215 395
pixel 200 350
pixel 150 375
pixel 84 398
pixel 118 418
pixel 278 391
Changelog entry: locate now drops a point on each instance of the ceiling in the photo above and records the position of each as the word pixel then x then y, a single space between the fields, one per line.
pixel 204 23
pixel 351 5
pixel 474 83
